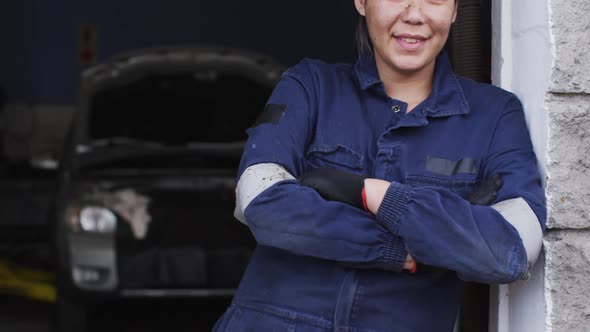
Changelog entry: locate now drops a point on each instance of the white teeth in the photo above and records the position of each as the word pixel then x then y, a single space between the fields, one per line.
pixel 410 40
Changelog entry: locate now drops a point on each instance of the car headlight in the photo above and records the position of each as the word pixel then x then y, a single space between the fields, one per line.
pixel 96 219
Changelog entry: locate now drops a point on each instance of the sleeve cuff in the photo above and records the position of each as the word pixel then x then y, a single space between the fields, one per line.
pixel 394 253
pixel 393 205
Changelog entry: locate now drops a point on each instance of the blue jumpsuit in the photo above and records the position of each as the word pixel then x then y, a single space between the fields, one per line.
pixel 326 266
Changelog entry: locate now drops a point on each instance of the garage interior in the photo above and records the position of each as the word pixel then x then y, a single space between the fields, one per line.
pixel 55 97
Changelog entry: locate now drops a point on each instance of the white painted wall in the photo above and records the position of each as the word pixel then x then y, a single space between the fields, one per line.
pixel 532 63
pixel 522 61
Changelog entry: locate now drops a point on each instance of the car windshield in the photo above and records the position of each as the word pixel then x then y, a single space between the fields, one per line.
pixel 178 108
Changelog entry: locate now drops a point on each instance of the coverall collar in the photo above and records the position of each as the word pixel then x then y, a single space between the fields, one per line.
pixel 446 98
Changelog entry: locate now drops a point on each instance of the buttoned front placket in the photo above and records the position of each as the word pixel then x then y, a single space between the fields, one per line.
pixel 390 144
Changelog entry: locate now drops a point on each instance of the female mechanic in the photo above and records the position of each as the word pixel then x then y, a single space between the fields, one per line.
pixel 367 186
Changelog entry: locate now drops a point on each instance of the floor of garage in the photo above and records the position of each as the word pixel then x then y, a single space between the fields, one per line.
pixel 22 315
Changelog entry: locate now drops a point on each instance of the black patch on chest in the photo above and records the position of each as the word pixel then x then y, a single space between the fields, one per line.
pixel 450 167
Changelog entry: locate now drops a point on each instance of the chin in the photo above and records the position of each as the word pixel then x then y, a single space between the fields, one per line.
pixel 409 65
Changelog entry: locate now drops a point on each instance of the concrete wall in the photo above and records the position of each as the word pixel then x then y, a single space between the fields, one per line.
pixel 567 244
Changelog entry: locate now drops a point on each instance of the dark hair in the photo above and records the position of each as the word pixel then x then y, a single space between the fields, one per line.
pixel 363 39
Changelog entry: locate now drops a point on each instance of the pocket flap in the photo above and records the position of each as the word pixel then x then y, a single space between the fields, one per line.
pixel 450 167
pixel 325 155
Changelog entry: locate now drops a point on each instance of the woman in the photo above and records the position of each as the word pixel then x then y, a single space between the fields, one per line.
pixel 388 152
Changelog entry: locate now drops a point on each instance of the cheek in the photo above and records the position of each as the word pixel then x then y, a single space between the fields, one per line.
pixel 442 26
pixel 381 19
pixel 440 18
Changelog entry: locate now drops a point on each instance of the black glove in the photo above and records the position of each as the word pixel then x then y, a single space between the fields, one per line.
pixel 342 186
pixel 487 191
pixel 336 185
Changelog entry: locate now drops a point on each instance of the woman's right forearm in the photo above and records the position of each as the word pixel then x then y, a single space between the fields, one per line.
pixel 296 219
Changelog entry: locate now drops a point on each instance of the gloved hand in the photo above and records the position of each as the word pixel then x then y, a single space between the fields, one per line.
pixel 487 191
pixel 336 185
pixel 342 186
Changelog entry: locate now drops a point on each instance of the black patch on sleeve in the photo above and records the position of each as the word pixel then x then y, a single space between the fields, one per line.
pixel 272 114
pixel 450 167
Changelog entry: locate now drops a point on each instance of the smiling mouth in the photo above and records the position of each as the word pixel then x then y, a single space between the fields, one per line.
pixel 410 43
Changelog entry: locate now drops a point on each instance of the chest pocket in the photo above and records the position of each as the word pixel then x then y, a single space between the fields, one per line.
pixel 456 175
pixel 334 156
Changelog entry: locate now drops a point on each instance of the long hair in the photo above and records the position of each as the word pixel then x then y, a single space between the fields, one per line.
pixel 363 40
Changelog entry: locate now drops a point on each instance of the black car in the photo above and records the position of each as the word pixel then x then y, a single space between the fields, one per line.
pixel 146 184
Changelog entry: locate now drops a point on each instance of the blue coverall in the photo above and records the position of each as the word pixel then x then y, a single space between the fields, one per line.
pixel 326 266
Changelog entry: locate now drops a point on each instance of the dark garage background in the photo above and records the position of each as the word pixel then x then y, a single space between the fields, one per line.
pixel 40 64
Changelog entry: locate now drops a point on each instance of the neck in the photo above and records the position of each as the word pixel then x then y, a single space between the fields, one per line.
pixel 410 87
